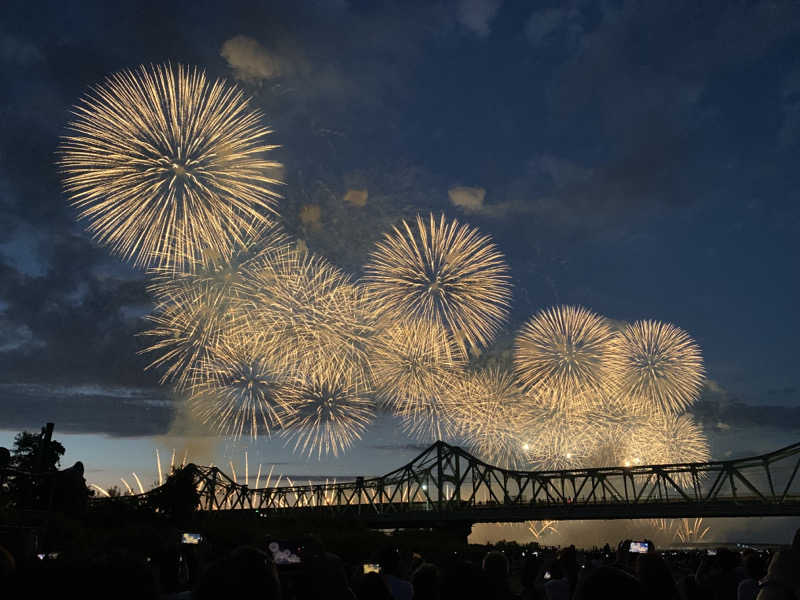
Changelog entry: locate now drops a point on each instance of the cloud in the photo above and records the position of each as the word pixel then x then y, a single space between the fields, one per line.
pixel 470 199
pixel 477 15
pixel 543 24
pixel 250 61
pixel 356 197
pixel 116 411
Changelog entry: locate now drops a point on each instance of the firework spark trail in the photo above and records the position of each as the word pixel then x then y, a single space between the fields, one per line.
pixel 163 163
pixel 158 464
pixel 412 363
pixel 328 411
pixel 101 490
pixel 138 482
pixel 490 412
pixel 443 272
pixel 127 485
pixel 541 529
pixel 657 367
pixel 561 354
pixel 691 531
pixel 238 387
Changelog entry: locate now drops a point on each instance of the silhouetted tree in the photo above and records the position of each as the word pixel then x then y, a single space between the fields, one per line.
pixel 178 497
pixel 25 455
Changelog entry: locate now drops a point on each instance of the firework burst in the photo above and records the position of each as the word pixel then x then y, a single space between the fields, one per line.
pixel 311 310
pixel 219 271
pixel 237 387
pixel 162 163
pixel 656 367
pixel 557 440
pixel 489 410
pixel 667 439
pixel 187 325
pixel 443 272
pixel 326 411
pixel 561 355
pixel 412 362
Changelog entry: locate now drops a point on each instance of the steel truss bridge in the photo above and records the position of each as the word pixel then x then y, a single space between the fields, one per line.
pixel 445 484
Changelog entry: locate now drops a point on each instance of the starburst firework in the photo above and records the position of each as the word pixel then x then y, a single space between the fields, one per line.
pixel 311 310
pixel 561 355
pixel 238 387
pixel 412 363
pixel 656 367
pixel 557 440
pixel 327 410
pixel 163 163
pixel 667 439
pixel 189 324
pixel 490 412
pixel 443 272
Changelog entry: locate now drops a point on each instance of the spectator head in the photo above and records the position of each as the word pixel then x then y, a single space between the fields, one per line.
pixel 426 582
pixel 495 565
pixel 608 582
pixel 7 564
pixel 246 572
pixel 728 560
pixel 754 565
pixel 655 577
pixel 373 587
pixel 390 561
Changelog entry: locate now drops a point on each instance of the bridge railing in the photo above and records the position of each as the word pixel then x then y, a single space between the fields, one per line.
pixel 447 478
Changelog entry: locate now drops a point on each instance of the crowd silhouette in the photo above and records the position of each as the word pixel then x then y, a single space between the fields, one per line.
pixel 504 572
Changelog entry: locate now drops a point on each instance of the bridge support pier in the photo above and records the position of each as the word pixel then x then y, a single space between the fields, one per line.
pixel 456 532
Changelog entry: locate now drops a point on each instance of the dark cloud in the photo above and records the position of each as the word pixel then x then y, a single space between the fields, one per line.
pixel 112 411
pixel 714 414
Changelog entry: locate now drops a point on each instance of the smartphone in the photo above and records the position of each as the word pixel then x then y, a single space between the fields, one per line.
pixel 547 575
pixel 639 547
pixel 285 553
pixel 711 552
pixel 191 538
pixel 371 568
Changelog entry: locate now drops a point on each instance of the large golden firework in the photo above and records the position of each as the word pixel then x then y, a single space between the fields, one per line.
pixel 221 271
pixel 432 422
pixel 187 325
pixel 163 163
pixel 665 438
pixel 311 310
pixel 443 272
pixel 203 300
pixel 327 410
pixel 557 440
pixel 561 355
pixel 412 364
pixel 656 367
pixel 238 387
pixel 490 412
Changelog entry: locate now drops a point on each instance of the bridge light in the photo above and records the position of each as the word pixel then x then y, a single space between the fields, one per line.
pixel 569 454
pixel 424 486
pixel 627 463
pixel 526 446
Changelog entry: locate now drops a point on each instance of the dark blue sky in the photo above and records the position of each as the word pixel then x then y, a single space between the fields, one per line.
pixel 640 159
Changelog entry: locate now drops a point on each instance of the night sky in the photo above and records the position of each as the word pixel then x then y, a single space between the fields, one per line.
pixel 640 159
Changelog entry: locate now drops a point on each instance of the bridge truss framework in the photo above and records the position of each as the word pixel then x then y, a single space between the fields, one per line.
pixel 446 483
